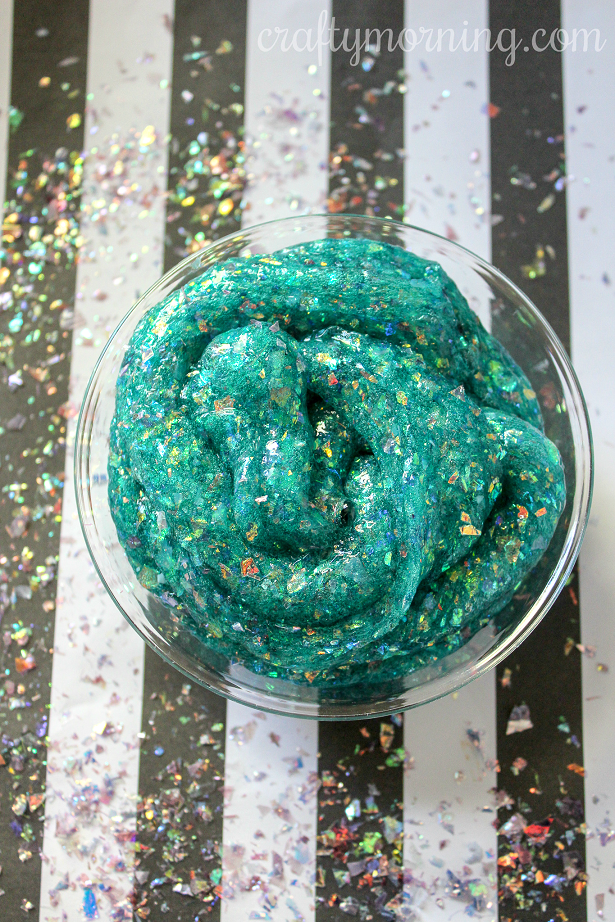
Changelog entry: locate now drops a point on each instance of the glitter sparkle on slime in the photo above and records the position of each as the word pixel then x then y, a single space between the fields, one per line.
pixel 325 466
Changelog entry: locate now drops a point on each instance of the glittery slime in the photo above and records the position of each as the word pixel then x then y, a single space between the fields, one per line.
pixel 324 464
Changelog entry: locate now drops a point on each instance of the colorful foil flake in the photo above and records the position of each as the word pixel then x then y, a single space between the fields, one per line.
pixel 325 466
pixel 360 841
pixel 179 815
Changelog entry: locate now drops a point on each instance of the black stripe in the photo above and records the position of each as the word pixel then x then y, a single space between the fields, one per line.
pixel 367 127
pixel 180 810
pixel 363 761
pixel 359 855
pixel 32 433
pixel 527 156
pixel 213 71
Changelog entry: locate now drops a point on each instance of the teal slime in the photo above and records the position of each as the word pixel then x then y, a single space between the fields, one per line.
pixel 325 466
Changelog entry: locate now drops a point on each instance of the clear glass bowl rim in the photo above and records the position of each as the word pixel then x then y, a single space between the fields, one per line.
pixel 584 473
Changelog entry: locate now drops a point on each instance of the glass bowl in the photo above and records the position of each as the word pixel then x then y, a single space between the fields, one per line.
pixel 532 343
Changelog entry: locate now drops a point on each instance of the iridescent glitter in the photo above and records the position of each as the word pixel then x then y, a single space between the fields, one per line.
pixel 326 466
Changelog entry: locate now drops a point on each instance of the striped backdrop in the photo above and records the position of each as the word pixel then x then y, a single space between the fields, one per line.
pixel 163 125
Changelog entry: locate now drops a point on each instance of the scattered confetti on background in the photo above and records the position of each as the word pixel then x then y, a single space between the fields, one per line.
pixel 539 796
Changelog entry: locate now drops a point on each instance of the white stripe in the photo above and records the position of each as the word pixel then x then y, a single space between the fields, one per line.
pixel 271 806
pixel 96 691
pixel 6 41
pixel 447 186
pixel 589 101
pixel 286 111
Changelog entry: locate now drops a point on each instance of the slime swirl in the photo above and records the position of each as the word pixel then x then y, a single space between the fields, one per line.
pixel 325 465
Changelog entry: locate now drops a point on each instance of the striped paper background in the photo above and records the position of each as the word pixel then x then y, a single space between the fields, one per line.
pixel 163 801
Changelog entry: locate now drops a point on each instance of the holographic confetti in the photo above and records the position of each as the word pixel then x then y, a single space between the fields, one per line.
pixel 360 840
pixel 179 816
pixel 40 244
pixel 90 907
pixel 541 877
